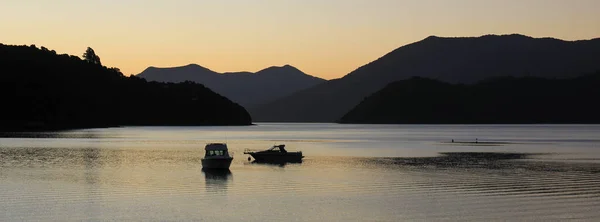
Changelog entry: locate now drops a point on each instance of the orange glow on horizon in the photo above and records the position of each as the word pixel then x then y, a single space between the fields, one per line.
pixel 327 39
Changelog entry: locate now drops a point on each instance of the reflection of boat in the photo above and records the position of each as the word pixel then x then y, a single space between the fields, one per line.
pixel 216 180
pixel 275 154
pixel 216 157
pixel 216 174
pixel 276 163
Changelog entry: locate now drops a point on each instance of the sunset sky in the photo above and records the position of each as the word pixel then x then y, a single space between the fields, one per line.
pixel 325 38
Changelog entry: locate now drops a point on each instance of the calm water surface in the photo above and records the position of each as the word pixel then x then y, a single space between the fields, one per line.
pixel 350 173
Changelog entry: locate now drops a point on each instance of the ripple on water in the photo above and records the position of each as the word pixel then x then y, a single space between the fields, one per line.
pixel 169 184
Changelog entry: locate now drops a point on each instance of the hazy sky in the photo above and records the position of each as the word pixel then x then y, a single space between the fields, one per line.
pixel 326 38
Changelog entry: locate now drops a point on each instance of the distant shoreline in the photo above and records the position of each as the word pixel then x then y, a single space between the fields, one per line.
pixel 59 129
pixel 21 130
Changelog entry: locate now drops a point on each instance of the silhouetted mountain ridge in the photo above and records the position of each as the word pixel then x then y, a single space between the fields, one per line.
pixel 506 100
pixel 246 88
pixel 41 90
pixel 448 59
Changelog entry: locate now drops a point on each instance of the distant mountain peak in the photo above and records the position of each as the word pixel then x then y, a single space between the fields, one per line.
pixel 286 66
pixel 520 36
pixel 278 69
pixel 195 66
pixel 515 35
pixel 432 37
pixel 191 66
pixel 244 87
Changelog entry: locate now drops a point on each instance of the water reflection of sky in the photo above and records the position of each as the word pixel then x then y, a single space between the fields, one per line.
pixel 327 139
pixel 162 183
pixel 350 172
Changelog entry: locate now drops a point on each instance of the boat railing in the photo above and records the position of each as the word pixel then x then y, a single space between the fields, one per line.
pixel 246 151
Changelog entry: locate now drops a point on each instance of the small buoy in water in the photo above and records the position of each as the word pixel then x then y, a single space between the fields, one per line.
pixel 248 158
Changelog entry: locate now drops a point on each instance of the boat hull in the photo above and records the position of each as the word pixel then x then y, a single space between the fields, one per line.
pixel 277 157
pixel 220 163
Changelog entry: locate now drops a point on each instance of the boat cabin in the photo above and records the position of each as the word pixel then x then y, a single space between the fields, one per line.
pixel 216 149
pixel 281 148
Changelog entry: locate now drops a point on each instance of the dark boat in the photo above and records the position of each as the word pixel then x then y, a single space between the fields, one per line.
pixel 276 154
pixel 216 157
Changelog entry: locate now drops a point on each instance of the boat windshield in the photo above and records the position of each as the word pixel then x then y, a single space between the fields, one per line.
pixel 216 153
pixel 278 147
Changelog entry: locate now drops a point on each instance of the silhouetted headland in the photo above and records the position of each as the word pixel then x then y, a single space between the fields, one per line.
pixel 506 100
pixel 41 90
